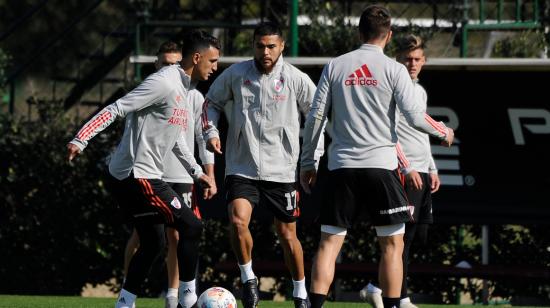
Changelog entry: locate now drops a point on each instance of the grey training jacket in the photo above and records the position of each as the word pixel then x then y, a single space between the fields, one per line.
pixel 174 172
pixel 264 122
pixel 415 152
pixel 362 89
pixel 152 128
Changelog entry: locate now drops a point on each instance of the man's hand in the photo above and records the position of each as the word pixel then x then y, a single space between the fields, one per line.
pixel 435 182
pixel 73 151
pixel 214 145
pixel 206 182
pixel 308 179
pixel 210 192
pixel 414 180
pixel 449 138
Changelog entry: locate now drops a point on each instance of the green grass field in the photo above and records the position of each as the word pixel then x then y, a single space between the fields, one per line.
pixel 14 301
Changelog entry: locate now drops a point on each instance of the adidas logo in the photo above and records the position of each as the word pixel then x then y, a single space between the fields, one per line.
pixel 361 77
pixel 187 291
pixel 122 300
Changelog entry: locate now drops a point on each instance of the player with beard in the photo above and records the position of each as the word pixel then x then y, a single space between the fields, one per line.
pixel 268 96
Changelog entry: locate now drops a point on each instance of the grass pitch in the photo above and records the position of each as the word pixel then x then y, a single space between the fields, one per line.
pixel 16 301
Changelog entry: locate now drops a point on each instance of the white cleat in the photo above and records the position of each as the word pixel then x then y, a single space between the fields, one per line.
pixel 407 305
pixel 373 298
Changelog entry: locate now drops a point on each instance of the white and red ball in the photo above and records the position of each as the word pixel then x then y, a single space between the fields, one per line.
pixel 216 297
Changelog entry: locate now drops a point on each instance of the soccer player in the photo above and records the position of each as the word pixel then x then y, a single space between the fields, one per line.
pixel 176 176
pixel 157 114
pixel 362 89
pixel 268 95
pixel 415 159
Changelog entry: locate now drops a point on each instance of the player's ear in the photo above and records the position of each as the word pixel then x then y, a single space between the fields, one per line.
pixel 196 58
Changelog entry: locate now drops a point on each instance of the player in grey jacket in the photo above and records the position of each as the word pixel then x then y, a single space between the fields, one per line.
pixel 416 162
pixel 262 152
pixel 156 112
pixel 363 89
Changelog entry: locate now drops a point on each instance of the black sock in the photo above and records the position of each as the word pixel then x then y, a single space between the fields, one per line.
pixel 391 302
pixel 317 300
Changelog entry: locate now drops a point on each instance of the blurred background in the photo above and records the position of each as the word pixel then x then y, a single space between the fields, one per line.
pixel 487 76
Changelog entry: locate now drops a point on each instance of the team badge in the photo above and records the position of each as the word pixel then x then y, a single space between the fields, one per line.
pixel 176 203
pixel 279 84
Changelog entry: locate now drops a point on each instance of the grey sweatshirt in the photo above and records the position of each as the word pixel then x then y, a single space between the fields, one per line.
pixel 415 152
pixel 264 122
pixel 362 89
pixel 152 129
pixel 174 172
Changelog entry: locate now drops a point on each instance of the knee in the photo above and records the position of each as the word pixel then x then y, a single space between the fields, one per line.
pixel 287 236
pixel 238 222
pixel 392 245
pixel 191 230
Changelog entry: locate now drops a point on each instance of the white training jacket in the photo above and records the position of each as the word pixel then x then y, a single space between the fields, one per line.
pixel 264 122
pixel 174 172
pixel 362 89
pixel 414 150
pixel 156 111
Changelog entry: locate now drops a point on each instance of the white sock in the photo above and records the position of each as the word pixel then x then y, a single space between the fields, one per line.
pixel 172 292
pixel 125 299
pixel 246 272
pixel 373 289
pixel 299 288
pixel 187 293
pixel 405 300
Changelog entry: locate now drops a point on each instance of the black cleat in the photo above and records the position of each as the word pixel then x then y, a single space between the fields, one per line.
pixel 251 295
pixel 302 303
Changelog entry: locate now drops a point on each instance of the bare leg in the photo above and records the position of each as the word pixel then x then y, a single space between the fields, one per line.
pixel 130 250
pixel 172 258
pixel 322 272
pixel 390 271
pixel 292 248
pixel 240 212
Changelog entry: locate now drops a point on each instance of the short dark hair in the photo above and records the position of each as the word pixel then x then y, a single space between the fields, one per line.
pixel 268 28
pixel 409 43
pixel 196 41
pixel 375 22
pixel 169 47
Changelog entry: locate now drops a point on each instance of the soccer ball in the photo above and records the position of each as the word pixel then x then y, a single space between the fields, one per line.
pixel 216 297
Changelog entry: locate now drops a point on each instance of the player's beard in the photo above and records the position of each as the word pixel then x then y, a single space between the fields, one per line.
pixel 261 67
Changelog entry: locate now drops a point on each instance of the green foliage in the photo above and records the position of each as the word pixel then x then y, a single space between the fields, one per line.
pixel 329 33
pixel 57 228
pixel 4 62
pixel 526 44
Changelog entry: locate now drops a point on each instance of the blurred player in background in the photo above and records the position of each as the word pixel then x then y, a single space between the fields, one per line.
pixel 362 90
pixel 417 163
pixel 176 176
pixel 263 146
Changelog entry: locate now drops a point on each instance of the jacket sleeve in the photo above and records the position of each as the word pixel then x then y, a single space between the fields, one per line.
pixel 412 109
pixel 218 95
pixel 402 160
pixel 206 156
pixel 151 91
pixel 184 155
pixel 316 121
pixel 305 92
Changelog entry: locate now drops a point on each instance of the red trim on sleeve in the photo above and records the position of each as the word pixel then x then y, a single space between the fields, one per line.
pixel 90 128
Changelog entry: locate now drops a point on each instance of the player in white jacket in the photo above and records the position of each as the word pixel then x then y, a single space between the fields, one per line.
pixel 262 150
pixel 362 90
pixel 156 113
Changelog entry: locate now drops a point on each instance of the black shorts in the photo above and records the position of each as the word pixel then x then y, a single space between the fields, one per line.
pixel 421 200
pixel 350 193
pixel 281 199
pixel 187 192
pixel 153 201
